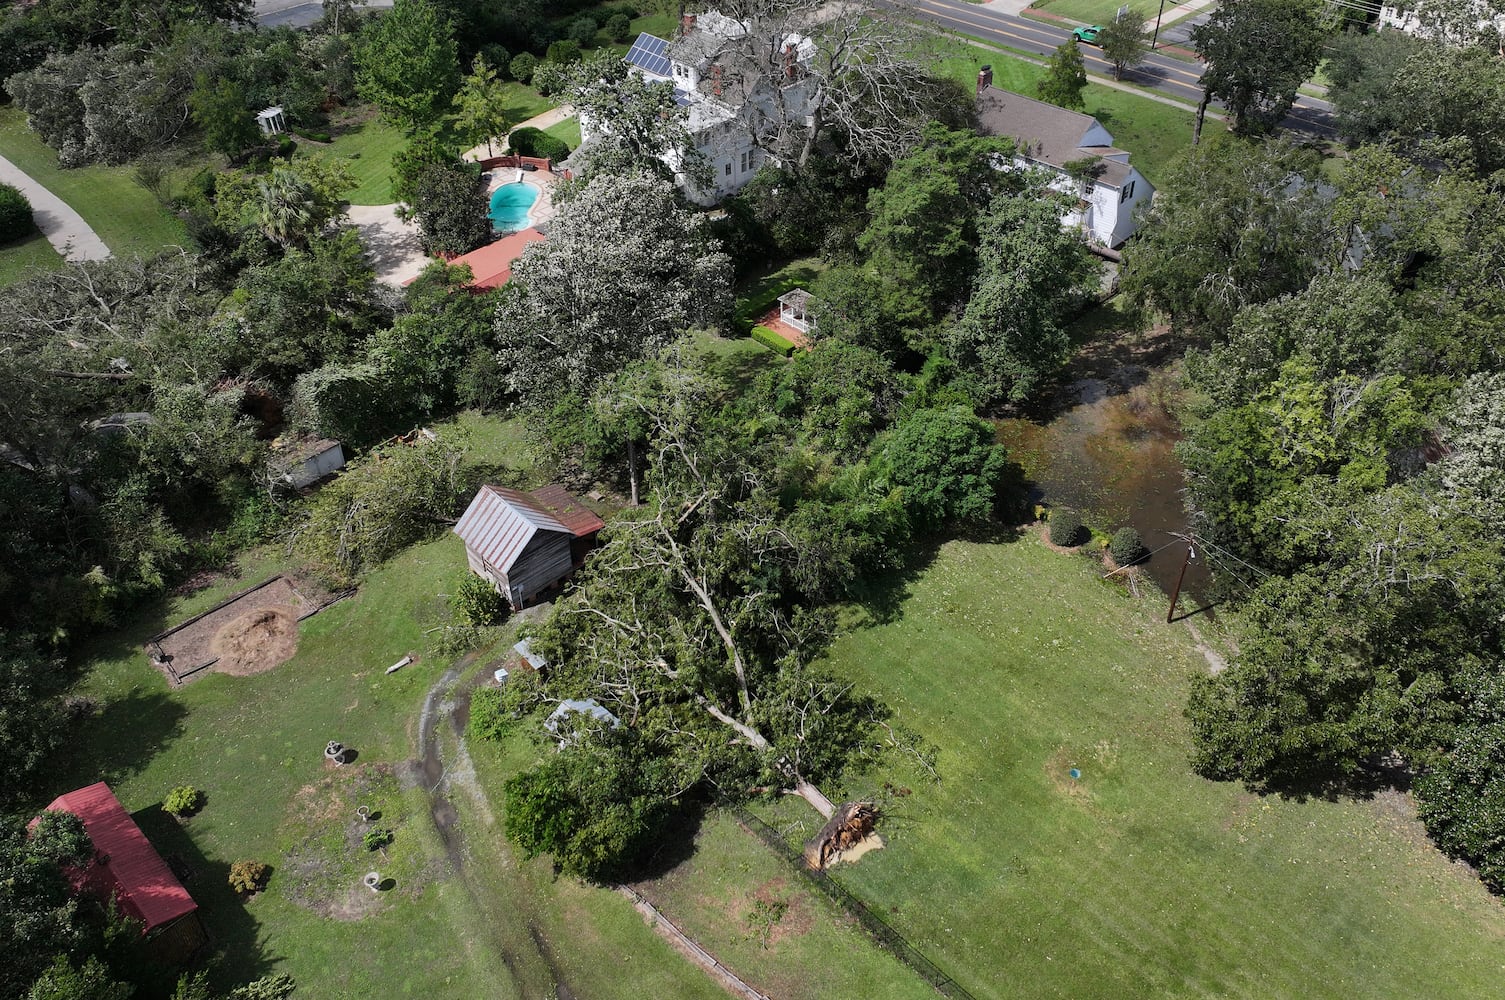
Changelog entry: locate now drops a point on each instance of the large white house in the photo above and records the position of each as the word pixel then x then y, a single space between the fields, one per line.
pixel 1456 29
pixel 1052 139
pixel 731 97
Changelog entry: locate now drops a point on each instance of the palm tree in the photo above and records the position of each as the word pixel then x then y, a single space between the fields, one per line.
pixel 286 207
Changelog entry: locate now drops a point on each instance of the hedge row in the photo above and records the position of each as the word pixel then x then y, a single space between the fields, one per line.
pixel 530 141
pixel 15 214
pixel 772 340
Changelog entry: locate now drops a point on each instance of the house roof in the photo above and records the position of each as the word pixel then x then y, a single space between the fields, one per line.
pixel 1046 133
pixel 587 706
pixel 500 522
pixel 491 265
pixel 126 866
pixel 650 54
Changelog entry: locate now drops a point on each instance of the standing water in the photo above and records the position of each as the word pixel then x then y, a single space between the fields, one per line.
pixel 1106 448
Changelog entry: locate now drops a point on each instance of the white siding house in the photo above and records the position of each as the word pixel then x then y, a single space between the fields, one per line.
pixel 730 100
pixel 1454 31
pixel 1049 138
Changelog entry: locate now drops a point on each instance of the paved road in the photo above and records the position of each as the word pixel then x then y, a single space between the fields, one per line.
pixel 1160 73
pixel 64 228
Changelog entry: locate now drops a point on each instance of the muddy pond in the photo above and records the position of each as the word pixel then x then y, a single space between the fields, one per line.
pixel 1103 443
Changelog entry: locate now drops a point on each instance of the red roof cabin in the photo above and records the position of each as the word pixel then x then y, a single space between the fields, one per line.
pixel 127 868
pixel 526 543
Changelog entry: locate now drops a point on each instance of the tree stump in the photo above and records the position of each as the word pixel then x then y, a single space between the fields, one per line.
pixel 849 825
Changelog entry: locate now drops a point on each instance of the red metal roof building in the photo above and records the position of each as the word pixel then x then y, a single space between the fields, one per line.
pixel 525 543
pixel 126 866
pixel 491 265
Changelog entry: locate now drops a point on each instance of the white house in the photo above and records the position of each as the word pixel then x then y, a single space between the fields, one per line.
pixel 1422 23
pixel 730 97
pixel 1049 138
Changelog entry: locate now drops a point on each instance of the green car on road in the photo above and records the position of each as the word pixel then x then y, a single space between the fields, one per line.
pixel 1088 35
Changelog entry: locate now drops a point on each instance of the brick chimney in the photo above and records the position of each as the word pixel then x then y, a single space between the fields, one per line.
pixel 790 61
pixel 984 78
pixel 686 24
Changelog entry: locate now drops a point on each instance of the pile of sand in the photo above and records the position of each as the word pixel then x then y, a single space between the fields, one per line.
pixel 256 642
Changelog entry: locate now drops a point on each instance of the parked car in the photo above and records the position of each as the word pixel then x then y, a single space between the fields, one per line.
pixel 1088 34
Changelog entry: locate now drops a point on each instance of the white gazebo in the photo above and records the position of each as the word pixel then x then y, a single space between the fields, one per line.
pixel 271 121
pixel 794 309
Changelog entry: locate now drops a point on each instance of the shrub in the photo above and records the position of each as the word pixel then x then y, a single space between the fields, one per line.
pixel 497 57
pixel 476 602
pixel 536 142
pixel 1127 547
pixel 286 147
pixel 375 840
pixel 185 800
pixel 619 27
pixel 772 340
pixel 566 50
pixel 522 66
pixel 249 876
pixel 15 214
pixel 582 30
pixel 550 78
pixel 1066 528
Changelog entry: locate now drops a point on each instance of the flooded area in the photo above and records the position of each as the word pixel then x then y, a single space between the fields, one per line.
pixel 1104 445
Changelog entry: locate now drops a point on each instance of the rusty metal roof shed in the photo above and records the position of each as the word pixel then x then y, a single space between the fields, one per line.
pixel 500 522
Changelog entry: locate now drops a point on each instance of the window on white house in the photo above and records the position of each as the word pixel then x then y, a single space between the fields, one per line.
pixel 1126 192
pixel 742 164
pixel 728 168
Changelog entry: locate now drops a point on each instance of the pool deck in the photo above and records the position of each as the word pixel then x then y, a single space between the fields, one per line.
pixel 542 209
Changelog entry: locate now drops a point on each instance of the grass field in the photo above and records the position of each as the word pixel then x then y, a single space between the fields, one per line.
pixel 124 214
pixel 1139 879
pixel 1084 11
pixel 567 131
pixel 23 257
pixel 1155 132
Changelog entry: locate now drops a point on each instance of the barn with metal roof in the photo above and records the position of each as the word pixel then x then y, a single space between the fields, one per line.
pixel 128 869
pixel 526 543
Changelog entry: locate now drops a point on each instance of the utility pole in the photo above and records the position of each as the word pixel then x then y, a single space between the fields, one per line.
pixel 1157 26
pixel 1191 553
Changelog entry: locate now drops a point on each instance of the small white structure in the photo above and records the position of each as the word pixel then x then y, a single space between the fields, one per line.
pixel 303 462
pixel 1051 139
pixel 794 309
pixel 271 121
pixel 588 707
pixel 500 675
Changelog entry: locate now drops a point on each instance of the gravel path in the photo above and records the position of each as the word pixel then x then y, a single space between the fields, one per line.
pixel 64 228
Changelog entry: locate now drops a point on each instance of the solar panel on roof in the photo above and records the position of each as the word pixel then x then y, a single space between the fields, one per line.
pixel 650 54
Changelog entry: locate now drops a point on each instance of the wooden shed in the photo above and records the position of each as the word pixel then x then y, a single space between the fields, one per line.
pixel 129 870
pixel 526 543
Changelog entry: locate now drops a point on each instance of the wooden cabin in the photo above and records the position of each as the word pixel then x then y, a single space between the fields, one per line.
pixel 526 543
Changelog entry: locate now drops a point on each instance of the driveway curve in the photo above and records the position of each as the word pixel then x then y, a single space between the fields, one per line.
pixel 64 228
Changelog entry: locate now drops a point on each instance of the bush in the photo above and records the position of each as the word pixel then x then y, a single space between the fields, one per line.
pixel 536 142
pixel 375 840
pixel 185 800
pixel 566 50
pixel 619 27
pixel 476 602
pixel 315 136
pixel 286 147
pixel 15 214
pixel 249 876
pixel 582 31
pixel 550 79
pixel 497 57
pixel 522 66
pixel 1127 547
pixel 1066 528
pixel 772 340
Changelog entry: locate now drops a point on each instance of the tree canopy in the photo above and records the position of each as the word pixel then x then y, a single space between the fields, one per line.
pixel 1256 54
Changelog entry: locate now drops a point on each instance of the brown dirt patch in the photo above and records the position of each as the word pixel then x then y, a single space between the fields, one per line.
pixel 256 642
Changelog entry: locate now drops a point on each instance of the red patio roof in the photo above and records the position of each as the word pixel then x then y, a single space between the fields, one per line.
pixel 491 265
pixel 126 866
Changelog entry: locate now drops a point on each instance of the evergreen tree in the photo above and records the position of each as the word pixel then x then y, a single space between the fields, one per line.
pixel 1065 78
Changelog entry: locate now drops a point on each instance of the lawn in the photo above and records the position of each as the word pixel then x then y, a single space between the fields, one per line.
pixel 1139 879
pixel 367 145
pixel 567 131
pixel 1155 132
pixel 23 257
pixel 757 293
pixel 1084 11
pixel 125 215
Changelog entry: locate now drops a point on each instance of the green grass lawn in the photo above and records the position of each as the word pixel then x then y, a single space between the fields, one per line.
pixel 1140 879
pixel 24 257
pixel 367 147
pixel 1155 132
pixel 1084 11
pixel 567 131
pixel 757 293
pixel 125 215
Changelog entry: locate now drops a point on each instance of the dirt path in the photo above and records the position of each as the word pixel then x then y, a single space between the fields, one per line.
pixel 64 228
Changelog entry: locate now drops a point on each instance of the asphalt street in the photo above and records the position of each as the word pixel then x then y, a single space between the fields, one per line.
pixel 1161 73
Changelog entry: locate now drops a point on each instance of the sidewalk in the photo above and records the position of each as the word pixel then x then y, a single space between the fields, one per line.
pixel 551 117
pixel 64 228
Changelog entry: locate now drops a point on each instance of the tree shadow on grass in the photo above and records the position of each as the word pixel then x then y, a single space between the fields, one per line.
pixel 236 950
pixel 122 737
pixel 1389 774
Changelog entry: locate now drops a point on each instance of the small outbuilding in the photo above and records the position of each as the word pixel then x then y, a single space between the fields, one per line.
pixel 128 869
pixel 794 309
pixel 304 462
pixel 271 121
pixel 526 543
pixel 575 706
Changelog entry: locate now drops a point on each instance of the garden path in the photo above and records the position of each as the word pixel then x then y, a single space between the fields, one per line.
pixel 64 228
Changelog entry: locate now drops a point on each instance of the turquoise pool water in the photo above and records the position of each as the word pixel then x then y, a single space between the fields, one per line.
pixel 509 206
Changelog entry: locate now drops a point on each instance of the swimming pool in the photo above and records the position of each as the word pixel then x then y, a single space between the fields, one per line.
pixel 509 206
